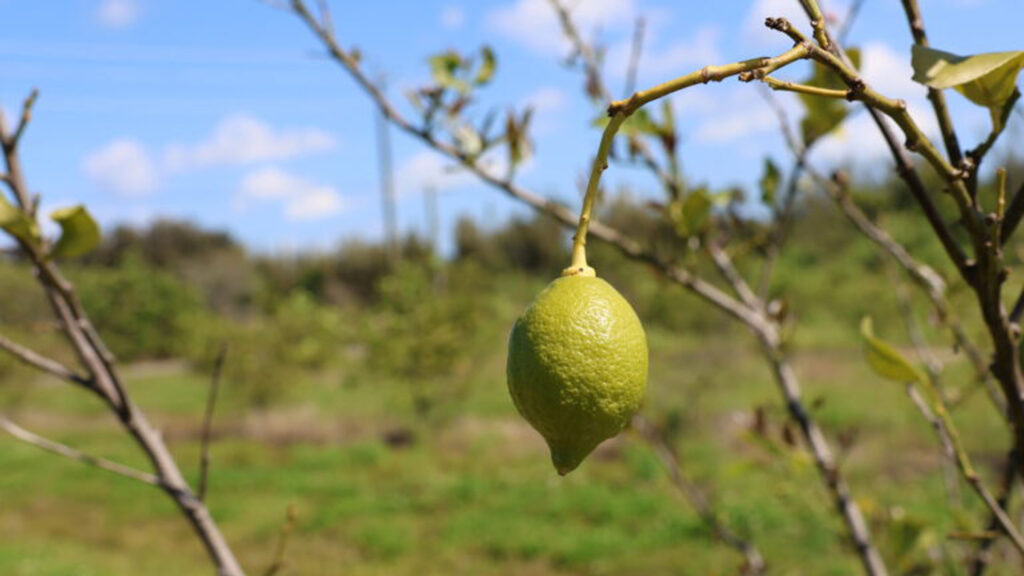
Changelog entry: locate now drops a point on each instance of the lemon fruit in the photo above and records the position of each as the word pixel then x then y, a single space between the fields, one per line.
pixel 577 366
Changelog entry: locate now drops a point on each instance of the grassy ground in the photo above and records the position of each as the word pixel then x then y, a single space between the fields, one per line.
pixel 473 492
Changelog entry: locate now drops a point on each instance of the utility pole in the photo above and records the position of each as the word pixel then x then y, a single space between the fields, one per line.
pixel 433 219
pixel 387 186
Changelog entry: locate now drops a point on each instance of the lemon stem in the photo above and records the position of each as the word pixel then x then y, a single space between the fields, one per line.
pixel 579 266
pixel 622 109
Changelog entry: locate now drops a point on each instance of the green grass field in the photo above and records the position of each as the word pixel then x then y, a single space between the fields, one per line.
pixel 474 492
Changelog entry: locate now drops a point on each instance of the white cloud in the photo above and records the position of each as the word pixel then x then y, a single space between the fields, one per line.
pixel 426 169
pixel 242 139
pixel 452 17
pixel 675 59
pixel 546 99
pixel 123 167
pixel 118 13
pixel 302 200
pixel 859 141
pixel 534 24
pixel 740 113
pixel 889 72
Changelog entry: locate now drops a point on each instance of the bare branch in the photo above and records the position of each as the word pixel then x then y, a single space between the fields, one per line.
pixel 69 452
pixel 786 86
pixel 282 542
pixel 978 154
pixel 635 51
pixel 211 404
pixel 982 555
pixel 11 140
pixel 728 270
pixel 754 560
pixel 937 98
pixel 40 362
pixel 825 461
pixel 1012 217
pixel 596 84
pixel 847 23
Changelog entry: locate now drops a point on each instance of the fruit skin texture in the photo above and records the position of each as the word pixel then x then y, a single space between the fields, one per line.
pixel 577 366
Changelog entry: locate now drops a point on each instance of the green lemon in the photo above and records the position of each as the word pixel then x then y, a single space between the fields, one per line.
pixel 577 366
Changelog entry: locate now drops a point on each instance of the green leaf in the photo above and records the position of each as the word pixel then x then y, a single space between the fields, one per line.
pixel 988 80
pixel 488 64
pixel 79 232
pixel 690 215
pixel 770 179
pixel 884 359
pixel 824 114
pixel 15 222
pixel 518 137
pixel 445 67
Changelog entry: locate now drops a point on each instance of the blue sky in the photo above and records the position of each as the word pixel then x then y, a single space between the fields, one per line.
pixel 227 113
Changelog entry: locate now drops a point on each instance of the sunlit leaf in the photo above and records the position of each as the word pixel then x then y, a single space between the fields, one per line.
pixel 445 67
pixel 988 80
pixel 15 222
pixel 690 215
pixel 770 179
pixel 488 64
pixel 79 232
pixel 884 359
pixel 823 115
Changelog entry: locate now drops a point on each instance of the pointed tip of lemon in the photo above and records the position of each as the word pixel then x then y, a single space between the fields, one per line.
pixel 567 458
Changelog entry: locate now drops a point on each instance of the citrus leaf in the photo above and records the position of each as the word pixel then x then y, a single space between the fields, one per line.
pixel 770 179
pixel 15 222
pixel 988 80
pixel 690 215
pixel 488 64
pixel 79 232
pixel 824 114
pixel 884 359
pixel 444 67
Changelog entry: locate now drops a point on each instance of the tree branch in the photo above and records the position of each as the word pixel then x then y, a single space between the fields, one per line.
pixel 211 404
pixel 700 503
pixel 40 362
pixel 103 375
pixel 282 542
pixel 68 452
pixel 937 98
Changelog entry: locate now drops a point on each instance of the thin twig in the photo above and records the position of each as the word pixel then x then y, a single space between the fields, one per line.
pixel 967 469
pixel 211 404
pixel 949 462
pixel 635 51
pixel 12 140
pixel 937 98
pixel 77 455
pixel 983 555
pixel 282 541
pixel 48 365
pixel 1012 217
pixel 728 271
pixel 847 23
pixel 596 84
pixel 754 560
pixel 786 86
